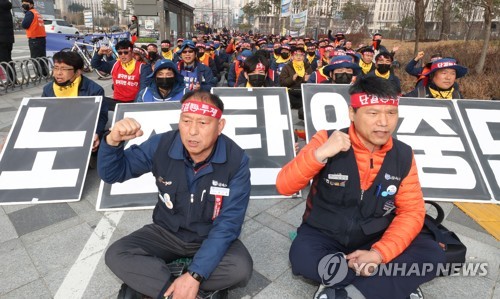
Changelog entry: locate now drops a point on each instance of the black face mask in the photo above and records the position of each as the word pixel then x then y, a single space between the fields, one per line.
pixel 200 54
pixel 26 7
pixel 276 51
pixel 383 68
pixel 311 53
pixel 165 50
pixel 165 83
pixel 153 55
pixel 63 84
pixel 285 55
pixel 343 78
pixel 257 80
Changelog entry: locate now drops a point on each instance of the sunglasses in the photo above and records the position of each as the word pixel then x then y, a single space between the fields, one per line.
pixel 188 51
pixel 123 52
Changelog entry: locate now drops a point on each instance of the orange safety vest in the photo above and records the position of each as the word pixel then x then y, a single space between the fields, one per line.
pixel 37 28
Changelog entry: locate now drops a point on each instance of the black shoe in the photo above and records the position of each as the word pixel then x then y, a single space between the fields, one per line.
pixel 219 294
pixel 127 292
pixel 324 292
pixel 417 294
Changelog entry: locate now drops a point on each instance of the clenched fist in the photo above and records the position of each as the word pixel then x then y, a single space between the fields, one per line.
pixel 336 143
pixel 123 130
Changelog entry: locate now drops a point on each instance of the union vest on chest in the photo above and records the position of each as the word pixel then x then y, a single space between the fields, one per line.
pixel 190 211
pixel 350 215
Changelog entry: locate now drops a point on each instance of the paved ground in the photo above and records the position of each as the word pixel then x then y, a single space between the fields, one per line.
pixel 52 250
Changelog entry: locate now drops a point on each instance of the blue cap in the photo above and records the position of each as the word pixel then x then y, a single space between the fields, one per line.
pixel 342 61
pixel 187 43
pixel 163 64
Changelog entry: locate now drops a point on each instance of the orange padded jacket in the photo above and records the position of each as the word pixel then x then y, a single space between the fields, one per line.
pixel 410 210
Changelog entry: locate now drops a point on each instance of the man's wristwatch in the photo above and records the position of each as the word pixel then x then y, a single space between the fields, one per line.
pixel 196 276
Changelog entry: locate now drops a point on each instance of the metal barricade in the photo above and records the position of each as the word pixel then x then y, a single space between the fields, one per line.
pixel 19 74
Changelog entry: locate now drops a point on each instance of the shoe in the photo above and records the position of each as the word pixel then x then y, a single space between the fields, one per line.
pixel 219 294
pixel 324 292
pixel 417 294
pixel 127 292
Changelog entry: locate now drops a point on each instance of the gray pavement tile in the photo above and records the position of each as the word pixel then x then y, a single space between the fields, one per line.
pixel 480 253
pixel 39 216
pixel 249 227
pixel 35 289
pixel 7 230
pixel 276 224
pixel 295 285
pixel 43 233
pixel 284 206
pixel 59 250
pixel 458 287
pixel 2 211
pixel 91 187
pixel 256 206
pixel 102 284
pixel 133 220
pixel 294 216
pixel 85 210
pixel 496 291
pixel 6 108
pixel 458 216
pixel 16 267
pixel 12 208
pixel 269 250
pixel 254 286
pixel 276 291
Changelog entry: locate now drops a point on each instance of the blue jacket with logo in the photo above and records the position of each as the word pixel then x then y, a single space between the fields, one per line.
pixel 191 194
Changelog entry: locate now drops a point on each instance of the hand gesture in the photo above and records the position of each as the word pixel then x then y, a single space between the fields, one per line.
pixel 123 130
pixel 95 143
pixel 364 262
pixel 306 77
pixel 336 143
pixel 395 49
pixel 419 55
pixel 104 50
pixel 184 287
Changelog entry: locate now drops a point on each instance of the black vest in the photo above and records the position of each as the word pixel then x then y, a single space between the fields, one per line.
pixel 352 216
pixel 189 216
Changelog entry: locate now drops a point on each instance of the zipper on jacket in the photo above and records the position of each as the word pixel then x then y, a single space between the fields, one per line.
pixel 371 162
pixel 362 193
pixel 192 197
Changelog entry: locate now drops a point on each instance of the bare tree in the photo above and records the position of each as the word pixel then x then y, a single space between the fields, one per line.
pixel 446 20
pixel 490 8
pixel 420 6
pixel 407 15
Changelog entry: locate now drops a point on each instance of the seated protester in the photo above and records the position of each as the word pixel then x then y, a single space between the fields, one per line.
pixel 205 58
pixel 166 52
pixel 383 65
pixel 255 72
pixel 168 84
pixel 185 163
pixel 196 75
pixel 348 46
pixel 355 213
pixel 419 72
pixel 366 61
pixel 311 56
pixel 129 75
pixel 327 53
pixel 293 75
pixel 341 70
pixel 69 82
pixel 282 60
pixel 219 65
pixel 236 68
pixel 153 53
pixel 276 51
pixel 441 81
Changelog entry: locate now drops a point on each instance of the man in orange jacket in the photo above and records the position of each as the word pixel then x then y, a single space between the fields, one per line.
pixel 365 208
pixel 35 31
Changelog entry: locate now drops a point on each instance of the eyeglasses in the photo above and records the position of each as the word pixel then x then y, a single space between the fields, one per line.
pixel 123 52
pixel 187 51
pixel 61 69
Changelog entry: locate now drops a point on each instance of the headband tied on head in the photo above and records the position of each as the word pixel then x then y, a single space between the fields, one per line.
pixel 201 108
pixel 363 99
pixel 260 67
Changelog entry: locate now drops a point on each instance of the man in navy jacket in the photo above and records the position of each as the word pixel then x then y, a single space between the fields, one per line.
pixel 203 182
pixel 69 82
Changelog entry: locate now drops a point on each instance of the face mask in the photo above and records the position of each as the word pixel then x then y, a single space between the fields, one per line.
pixel 311 53
pixel 383 68
pixel 26 7
pixel 165 83
pixel 257 80
pixel 165 50
pixel 63 84
pixel 376 43
pixel 276 51
pixel 285 55
pixel 200 54
pixel 343 78
pixel 152 55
